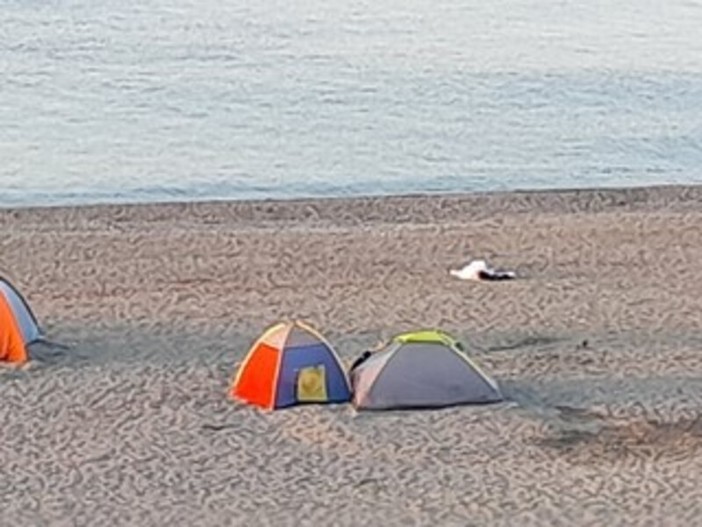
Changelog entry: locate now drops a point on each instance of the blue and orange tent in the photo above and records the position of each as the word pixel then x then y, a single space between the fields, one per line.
pixel 291 363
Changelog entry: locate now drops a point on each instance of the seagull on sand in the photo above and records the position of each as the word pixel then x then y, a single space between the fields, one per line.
pixel 479 270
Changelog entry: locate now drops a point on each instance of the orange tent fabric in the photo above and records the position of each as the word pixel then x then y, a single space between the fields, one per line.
pixel 255 384
pixel 12 348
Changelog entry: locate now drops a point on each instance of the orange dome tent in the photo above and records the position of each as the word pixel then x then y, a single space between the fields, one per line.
pixel 290 364
pixel 18 326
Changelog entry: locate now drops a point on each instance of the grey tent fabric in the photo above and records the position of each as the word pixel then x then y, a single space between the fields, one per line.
pixel 300 338
pixel 420 375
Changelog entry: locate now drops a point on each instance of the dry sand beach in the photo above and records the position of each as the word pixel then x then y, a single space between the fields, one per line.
pixel 598 347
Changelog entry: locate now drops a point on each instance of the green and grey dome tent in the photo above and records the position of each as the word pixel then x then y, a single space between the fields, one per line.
pixel 424 369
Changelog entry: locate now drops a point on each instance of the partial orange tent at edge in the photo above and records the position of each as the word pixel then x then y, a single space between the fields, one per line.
pixel 12 348
pixel 18 325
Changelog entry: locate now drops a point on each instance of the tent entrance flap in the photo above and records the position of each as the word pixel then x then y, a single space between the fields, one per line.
pixel 312 384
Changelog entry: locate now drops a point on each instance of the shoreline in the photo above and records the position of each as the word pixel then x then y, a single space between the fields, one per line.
pixel 622 192
pixel 343 212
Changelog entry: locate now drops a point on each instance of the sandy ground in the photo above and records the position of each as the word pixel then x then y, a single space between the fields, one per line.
pixel 598 347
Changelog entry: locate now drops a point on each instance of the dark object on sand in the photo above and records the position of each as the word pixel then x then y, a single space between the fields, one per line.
pixel 361 359
pixel 495 275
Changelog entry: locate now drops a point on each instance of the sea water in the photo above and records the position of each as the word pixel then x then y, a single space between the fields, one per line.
pixel 162 100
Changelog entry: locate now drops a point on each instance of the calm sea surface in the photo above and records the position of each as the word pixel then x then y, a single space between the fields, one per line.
pixel 170 100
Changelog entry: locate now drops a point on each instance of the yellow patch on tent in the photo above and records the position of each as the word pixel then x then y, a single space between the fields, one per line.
pixel 312 384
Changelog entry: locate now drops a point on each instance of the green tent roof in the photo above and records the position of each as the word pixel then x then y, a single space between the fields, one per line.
pixel 428 335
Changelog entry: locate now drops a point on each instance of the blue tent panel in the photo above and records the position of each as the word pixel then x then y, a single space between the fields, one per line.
pixel 296 358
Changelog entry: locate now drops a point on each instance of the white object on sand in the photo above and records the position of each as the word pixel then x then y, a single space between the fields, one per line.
pixel 479 270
